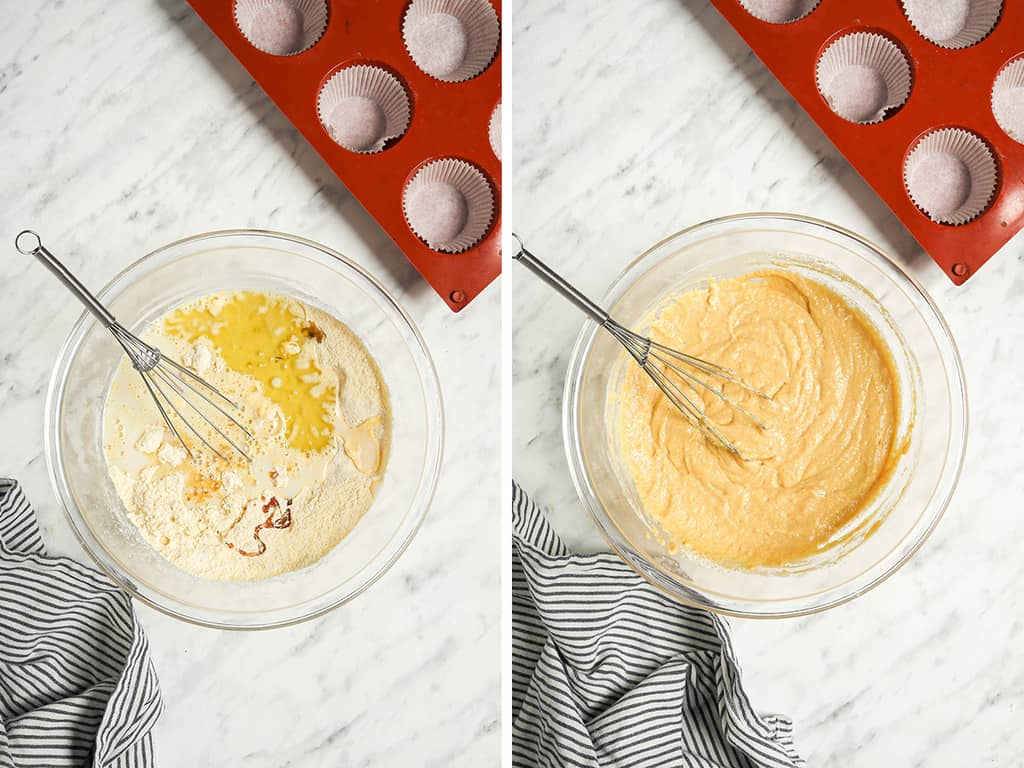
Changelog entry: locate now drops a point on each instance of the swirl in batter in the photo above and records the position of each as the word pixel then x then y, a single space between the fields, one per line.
pixel 830 441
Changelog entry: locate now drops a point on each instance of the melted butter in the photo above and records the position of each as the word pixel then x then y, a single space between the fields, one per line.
pixel 362 446
pixel 250 331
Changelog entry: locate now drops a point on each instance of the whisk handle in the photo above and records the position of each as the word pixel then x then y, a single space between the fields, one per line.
pixel 29 243
pixel 559 283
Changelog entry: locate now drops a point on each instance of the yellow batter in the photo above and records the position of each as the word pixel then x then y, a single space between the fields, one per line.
pixel 830 438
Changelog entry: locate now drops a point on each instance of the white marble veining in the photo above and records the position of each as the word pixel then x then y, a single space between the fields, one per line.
pixel 626 122
pixel 126 126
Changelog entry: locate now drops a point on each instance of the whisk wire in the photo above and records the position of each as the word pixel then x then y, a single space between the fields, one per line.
pixel 636 345
pixel 649 354
pixel 690 409
pixel 206 385
pixel 177 377
pixel 144 357
pixel 185 421
pixel 716 391
pixel 170 383
pixel 710 368
pixel 164 414
pixel 152 365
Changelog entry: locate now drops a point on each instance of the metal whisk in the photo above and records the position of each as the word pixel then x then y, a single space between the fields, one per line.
pixel 669 368
pixel 160 374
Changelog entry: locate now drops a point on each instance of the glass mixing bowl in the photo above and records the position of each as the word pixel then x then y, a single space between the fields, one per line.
pixel 934 413
pixel 230 261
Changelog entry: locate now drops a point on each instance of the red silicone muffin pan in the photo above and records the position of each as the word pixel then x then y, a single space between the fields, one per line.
pixel 446 121
pixel 950 88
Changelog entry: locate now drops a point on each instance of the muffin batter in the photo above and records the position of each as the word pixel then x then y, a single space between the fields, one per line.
pixel 829 441
pixel 312 398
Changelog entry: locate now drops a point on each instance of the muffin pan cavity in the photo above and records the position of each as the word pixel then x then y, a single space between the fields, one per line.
pixel 281 27
pixel 1008 100
pixel 779 11
pixel 451 40
pixel 363 108
pixel 449 205
pixel 950 175
pixel 953 23
pixel 863 77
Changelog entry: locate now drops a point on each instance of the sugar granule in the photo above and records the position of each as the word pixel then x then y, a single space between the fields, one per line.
pixel 357 123
pixel 277 29
pixel 858 93
pixel 940 184
pixel 438 43
pixel 437 212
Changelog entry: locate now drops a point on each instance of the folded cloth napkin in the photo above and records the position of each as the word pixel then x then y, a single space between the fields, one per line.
pixel 77 687
pixel 609 672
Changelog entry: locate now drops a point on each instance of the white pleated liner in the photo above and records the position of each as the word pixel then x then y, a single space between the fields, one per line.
pixel 981 166
pixel 981 20
pixel 802 8
pixel 482 30
pixel 314 15
pixel 373 83
pixel 867 49
pixel 474 188
pixel 1010 78
pixel 494 131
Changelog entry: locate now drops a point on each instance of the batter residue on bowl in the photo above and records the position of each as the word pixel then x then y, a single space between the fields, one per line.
pixel 830 441
pixel 313 399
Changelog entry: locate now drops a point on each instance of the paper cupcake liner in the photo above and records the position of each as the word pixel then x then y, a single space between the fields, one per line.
pixel 951 176
pixel 944 26
pixel 863 76
pixel 1008 100
pixel 431 25
pixel 277 42
pixel 439 178
pixel 494 131
pixel 779 11
pixel 379 110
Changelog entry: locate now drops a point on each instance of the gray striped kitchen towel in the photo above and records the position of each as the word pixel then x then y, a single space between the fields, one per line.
pixel 607 672
pixel 77 687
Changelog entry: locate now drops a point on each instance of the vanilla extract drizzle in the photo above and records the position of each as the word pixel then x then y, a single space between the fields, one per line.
pixel 269 509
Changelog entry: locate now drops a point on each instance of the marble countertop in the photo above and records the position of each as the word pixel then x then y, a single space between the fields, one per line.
pixel 127 126
pixel 634 120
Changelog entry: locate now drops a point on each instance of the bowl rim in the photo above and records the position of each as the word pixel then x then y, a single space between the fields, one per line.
pixel 435 430
pixel 616 539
